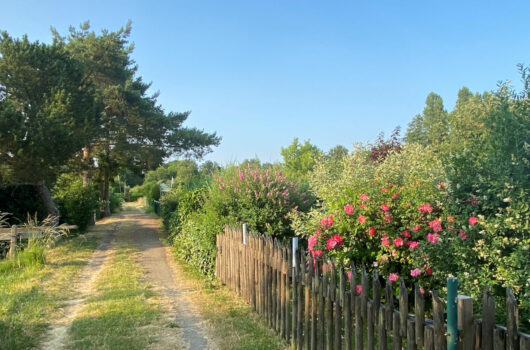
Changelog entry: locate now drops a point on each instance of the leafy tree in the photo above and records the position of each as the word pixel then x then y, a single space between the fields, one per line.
pixel 431 127
pixel 134 131
pixel 46 107
pixel 300 159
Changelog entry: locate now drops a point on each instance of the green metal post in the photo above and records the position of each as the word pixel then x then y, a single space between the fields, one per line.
pixel 452 313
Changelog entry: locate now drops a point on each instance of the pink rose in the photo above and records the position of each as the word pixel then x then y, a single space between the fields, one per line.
pixel 393 277
pixel 364 197
pixel 385 242
pixel 361 219
pixel 371 230
pixel 398 242
pixel 385 207
pixel 312 241
pixel 358 289
pixel 435 225
pixel 348 209
pixel 395 195
pixel 412 245
pixel 463 235
pixel 405 234
pixel 335 241
pixel 416 228
pixel 415 273
pixel 472 221
pixel 425 208
pixel 433 238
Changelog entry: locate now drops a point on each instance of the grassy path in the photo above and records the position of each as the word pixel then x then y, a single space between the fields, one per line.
pixel 120 288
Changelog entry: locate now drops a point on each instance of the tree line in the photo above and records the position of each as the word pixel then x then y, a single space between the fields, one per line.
pixel 77 104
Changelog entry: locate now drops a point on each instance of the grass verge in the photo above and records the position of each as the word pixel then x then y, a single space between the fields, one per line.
pixel 122 304
pixel 233 322
pixel 32 290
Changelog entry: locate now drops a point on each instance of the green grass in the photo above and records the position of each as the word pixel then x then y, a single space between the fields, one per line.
pixel 32 290
pixel 114 316
pixel 234 324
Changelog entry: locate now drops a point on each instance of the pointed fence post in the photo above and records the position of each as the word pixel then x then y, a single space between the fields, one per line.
pixel 452 313
pixel 13 242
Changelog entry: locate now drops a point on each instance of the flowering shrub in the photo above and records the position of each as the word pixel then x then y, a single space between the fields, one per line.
pixel 263 199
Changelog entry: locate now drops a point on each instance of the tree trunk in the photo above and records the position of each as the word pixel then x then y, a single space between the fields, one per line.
pixel 47 199
pixel 87 163
pixel 107 196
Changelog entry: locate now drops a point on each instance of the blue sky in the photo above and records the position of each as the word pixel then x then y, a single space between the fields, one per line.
pixel 260 73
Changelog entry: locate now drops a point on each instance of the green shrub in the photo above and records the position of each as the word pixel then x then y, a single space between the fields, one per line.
pixel 116 199
pixel 76 202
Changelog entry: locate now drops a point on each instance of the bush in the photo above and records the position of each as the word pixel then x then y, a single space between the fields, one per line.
pixel 75 202
pixel 116 199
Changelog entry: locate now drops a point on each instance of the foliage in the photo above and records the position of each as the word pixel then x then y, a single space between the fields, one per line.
pixel 299 159
pixel 261 199
pixel 19 201
pixel 75 201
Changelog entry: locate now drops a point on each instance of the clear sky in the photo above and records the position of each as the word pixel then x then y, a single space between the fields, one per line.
pixel 260 73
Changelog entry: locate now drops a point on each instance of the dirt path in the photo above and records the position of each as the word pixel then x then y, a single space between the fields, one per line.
pixel 185 329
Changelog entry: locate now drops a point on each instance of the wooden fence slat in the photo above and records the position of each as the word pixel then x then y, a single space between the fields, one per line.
pixel 389 304
pixel 300 311
pixel 321 306
pixel 403 307
pixel 381 330
pixel 376 296
pixel 488 319
pixel 359 329
pixel 338 310
pixel 364 293
pixel 332 285
pixel 465 322
pixel 440 342
pixel 397 342
pixel 419 315
pixel 499 338
pixel 428 340
pixel 512 321
pixel 347 320
pixel 370 341
pixel 411 338
pixel 308 282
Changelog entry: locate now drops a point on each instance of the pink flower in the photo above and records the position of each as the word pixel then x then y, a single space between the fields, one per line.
pixel 393 277
pixel 358 289
pixel 450 219
pixel 394 253
pixel 412 245
pixel 312 241
pixel 335 241
pixel 221 187
pixel 387 218
pixel 422 291
pixel 416 228
pixel 385 207
pixel 384 190
pixel 425 208
pixel 435 225
pixel 429 271
pixel 463 235
pixel 398 242
pixel 361 219
pixel 317 253
pixel 371 230
pixel 405 234
pixel 408 205
pixel 415 273
pixel 395 195
pixel 349 276
pixel 348 209
pixel 328 222
pixel 433 238
pixel 364 197
pixel 385 242
pixel 472 221
pixel 362 206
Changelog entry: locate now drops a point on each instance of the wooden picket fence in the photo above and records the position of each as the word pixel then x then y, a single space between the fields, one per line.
pixel 313 305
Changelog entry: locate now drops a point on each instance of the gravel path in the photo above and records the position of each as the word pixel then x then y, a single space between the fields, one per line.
pixel 185 329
